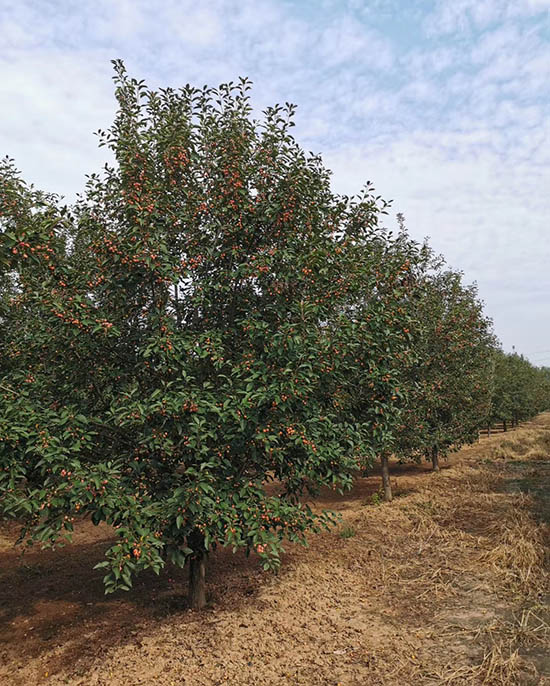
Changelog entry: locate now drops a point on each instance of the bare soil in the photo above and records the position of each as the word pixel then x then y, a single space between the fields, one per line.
pixel 448 584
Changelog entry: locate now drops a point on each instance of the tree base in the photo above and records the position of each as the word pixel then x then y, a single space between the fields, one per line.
pixel 197 582
pixel 435 459
pixel 388 495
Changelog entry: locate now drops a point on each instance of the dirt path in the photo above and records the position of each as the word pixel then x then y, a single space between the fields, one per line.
pixel 446 585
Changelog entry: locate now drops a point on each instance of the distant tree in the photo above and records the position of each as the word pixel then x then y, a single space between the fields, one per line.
pixel 386 386
pixel 449 387
pixel 502 406
pixel 542 391
pixel 520 389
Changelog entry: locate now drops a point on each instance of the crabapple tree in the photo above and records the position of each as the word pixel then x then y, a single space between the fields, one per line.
pixel 449 386
pixel 194 326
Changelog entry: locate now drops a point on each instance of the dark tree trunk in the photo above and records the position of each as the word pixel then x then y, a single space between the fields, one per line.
pixel 386 479
pixel 435 458
pixel 197 572
pixel 197 581
pixel 504 425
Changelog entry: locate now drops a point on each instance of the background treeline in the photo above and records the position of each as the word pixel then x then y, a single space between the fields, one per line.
pixel 520 390
pixel 210 317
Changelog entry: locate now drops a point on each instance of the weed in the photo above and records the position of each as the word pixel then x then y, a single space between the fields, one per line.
pixel 427 505
pixel 347 532
pixel 375 499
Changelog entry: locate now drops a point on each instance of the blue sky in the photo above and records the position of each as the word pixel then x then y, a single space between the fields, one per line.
pixel 444 105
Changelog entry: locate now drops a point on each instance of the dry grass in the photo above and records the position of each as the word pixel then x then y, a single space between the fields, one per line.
pixel 502 663
pixel 519 553
pixel 446 585
pixel 527 444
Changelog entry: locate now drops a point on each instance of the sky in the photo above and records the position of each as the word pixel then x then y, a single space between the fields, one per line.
pixel 443 104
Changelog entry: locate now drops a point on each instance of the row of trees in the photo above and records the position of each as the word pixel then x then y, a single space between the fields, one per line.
pixel 209 317
pixel 520 390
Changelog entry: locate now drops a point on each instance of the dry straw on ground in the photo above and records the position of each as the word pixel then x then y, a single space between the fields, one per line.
pixel 446 585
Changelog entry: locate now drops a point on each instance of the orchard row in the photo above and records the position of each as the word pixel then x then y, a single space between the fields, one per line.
pixel 210 334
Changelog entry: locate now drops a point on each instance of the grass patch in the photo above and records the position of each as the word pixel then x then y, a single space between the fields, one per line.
pixel 347 532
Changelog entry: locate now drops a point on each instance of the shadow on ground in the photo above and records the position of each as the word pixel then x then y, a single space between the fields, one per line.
pixel 55 599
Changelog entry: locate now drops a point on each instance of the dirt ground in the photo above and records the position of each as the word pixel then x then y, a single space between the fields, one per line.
pixel 448 584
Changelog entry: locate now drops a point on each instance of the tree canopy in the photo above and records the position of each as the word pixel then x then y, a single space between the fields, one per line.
pixel 210 334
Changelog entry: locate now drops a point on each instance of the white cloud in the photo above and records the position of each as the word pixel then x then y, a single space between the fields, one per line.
pixel 444 105
pixel 486 217
pixel 464 16
pixel 347 39
pixel 51 105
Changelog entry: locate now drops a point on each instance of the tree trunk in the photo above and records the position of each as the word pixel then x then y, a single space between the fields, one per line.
pixel 197 582
pixel 504 425
pixel 435 458
pixel 197 572
pixel 488 431
pixel 386 479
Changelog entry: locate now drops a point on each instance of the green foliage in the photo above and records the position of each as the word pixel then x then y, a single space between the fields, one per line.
pixel 449 385
pixel 210 317
pixel 207 318
pixel 347 532
pixel 520 389
pixel 376 498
